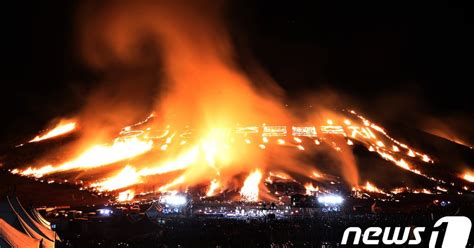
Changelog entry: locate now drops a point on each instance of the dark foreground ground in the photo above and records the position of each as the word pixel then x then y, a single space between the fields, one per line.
pixel 323 230
pixel 40 193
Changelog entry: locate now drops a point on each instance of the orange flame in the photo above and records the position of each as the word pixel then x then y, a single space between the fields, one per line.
pixel 127 177
pixel 206 160
pixel 249 191
pixel 468 177
pixel 63 127
pixel 97 156
pixel 310 189
pixel 372 188
pixel 212 187
pixel 126 195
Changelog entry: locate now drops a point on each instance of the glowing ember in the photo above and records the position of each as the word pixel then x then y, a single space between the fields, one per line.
pixel 249 191
pixel 422 191
pixel 426 158
pixel 441 189
pixel 395 148
pixel 62 128
pixel 399 190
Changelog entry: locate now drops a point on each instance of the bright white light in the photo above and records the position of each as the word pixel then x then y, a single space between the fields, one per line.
pixel 105 212
pixel 174 200
pixel 330 199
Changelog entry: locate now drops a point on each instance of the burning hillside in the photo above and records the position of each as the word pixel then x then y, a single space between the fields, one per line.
pixel 166 159
pixel 213 127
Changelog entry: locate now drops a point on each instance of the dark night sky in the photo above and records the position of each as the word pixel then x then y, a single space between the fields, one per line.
pixel 375 54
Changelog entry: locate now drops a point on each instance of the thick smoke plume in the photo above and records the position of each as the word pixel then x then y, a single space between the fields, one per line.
pixel 199 82
pixel 176 59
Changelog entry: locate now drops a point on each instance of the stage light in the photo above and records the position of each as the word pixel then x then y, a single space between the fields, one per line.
pixel 174 200
pixel 330 199
pixel 105 212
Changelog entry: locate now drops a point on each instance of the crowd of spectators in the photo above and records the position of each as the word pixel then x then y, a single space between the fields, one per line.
pixel 322 230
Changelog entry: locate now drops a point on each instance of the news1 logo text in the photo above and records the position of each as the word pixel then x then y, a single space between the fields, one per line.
pixel 447 232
